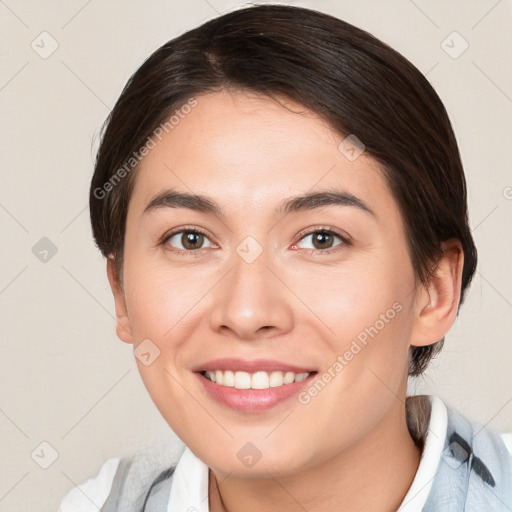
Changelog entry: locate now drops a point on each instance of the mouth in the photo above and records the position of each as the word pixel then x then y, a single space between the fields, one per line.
pixel 252 385
pixel 253 392
pixel 256 380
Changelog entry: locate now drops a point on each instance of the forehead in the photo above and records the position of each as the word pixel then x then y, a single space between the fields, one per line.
pixel 249 152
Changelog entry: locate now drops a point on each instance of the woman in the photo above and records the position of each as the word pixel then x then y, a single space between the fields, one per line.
pixel 282 205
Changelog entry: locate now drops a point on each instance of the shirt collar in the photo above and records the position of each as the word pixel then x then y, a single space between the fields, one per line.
pixel 419 490
pixel 189 491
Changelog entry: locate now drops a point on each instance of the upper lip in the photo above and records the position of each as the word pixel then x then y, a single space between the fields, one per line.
pixel 255 365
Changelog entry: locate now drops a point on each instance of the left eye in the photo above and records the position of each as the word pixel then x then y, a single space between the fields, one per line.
pixel 323 239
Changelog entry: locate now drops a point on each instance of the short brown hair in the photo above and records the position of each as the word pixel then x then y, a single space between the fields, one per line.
pixel 357 83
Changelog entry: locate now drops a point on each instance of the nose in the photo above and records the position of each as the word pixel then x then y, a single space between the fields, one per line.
pixel 252 300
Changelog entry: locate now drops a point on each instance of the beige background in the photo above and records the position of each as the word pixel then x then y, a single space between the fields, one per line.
pixel 65 378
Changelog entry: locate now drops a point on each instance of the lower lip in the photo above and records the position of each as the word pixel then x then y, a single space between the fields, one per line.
pixel 253 400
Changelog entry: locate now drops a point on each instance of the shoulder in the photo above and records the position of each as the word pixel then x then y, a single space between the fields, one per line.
pixel 463 461
pixel 91 494
pixel 479 457
pixel 122 479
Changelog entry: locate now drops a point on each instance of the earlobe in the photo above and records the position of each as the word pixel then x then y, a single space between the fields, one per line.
pixel 123 326
pixel 437 304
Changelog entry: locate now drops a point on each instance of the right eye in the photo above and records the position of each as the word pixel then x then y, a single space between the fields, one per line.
pixel 191 241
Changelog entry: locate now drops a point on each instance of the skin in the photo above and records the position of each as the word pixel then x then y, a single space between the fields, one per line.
pixel 349 447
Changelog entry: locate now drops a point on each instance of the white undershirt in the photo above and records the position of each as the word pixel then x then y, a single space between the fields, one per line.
pixel 190 480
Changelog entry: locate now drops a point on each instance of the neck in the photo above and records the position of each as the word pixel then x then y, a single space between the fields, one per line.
pixel 373 475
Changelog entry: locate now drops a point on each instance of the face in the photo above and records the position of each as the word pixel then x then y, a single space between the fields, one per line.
pixel 321 287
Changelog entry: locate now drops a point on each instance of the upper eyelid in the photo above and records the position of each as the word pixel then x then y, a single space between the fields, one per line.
pixel 330 229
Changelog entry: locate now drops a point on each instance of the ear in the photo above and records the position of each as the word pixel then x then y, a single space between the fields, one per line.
pixel 123 327
pixel 437 305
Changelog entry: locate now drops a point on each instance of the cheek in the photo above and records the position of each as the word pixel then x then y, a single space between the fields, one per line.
pixel 351 299
pixel 160 298
pixel 368 314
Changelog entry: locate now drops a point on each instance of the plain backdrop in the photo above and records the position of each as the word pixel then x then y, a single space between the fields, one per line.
pixel 71 395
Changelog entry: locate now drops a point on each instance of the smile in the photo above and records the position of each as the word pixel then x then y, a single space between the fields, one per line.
pixel 257 380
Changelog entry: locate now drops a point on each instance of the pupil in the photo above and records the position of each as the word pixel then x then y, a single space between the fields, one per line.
pixel 322 238
pixel 191 239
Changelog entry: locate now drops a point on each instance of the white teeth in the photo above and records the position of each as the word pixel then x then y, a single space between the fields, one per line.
pixel 242 380
pixel 228 379
pixel 276 379
pixel 289 377
pixel 258 380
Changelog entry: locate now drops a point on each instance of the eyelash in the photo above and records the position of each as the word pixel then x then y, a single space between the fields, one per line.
pixel 345 241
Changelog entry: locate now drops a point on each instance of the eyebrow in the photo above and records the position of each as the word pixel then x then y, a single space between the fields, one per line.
pixel 171 198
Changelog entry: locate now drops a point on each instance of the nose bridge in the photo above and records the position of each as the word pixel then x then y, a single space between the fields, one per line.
pixel 251 261
pixel 248 298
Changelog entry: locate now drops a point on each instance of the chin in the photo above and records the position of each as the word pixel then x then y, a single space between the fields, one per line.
pixel 276 466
